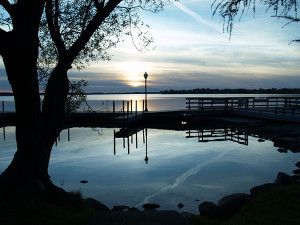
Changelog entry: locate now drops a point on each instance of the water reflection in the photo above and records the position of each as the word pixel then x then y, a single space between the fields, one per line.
pixel 179 169
pixel 203 135
pixel 127 134
pixel 223 134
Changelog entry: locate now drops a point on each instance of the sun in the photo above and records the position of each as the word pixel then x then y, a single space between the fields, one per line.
pixel 134 72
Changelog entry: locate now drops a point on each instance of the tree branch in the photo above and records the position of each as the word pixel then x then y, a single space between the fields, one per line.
pixel 94 24
pixel 56 15
pixel 86 14
pixel 54 28
pixel 3 40
pixel 7 6
pixel 99 5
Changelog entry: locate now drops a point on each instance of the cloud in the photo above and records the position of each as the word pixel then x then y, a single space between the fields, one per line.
pixel 196 16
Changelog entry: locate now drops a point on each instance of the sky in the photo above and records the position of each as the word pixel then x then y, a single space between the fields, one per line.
pixel 191 51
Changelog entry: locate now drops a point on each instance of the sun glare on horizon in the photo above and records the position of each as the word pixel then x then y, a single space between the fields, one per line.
pixel 134 73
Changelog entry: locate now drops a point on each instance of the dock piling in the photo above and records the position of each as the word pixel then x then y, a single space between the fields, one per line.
pixel 127 111
pixel 114 109
pixel 3 111
pixel 123 107
pixel 135 109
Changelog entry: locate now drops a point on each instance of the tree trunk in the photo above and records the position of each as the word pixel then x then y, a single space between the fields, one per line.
pixel 53 115
pixel 28 172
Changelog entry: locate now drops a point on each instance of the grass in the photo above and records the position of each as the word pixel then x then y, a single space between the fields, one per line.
pixel 44 213
pixel 280 206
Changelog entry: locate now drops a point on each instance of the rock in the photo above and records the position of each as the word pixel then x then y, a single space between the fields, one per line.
pixel 298 164
pixel 83 181
pixel 297 171
pixel 94 204
pixel 208 209
pixel 282 150
pixel 120 207
pixel 260 189
pixel 150 206
pixel 284 179
pixel 180 205
pixel 297 178
pixel 261 140
pixel 231 204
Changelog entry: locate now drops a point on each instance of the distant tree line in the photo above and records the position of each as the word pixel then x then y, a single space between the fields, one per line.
pixel 234 91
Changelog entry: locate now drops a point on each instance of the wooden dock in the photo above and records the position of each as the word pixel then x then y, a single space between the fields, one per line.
pixel 286 109
pixel 271 108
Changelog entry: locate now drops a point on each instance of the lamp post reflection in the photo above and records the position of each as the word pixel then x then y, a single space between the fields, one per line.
pixel 146 158
pixel 126 134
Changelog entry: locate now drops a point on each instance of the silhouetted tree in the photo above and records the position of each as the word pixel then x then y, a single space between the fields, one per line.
pixel 36 46
pixel 230 9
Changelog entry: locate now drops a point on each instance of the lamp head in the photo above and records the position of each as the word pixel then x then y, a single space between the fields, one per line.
pixel 145 75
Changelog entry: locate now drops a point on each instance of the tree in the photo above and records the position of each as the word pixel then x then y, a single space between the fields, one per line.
pixel 48 37
pixel 230 9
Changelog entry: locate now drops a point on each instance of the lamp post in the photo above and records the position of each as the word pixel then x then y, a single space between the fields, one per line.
pixel 146 76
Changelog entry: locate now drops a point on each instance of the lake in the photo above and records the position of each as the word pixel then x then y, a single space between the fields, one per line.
pixel 156 102
pixel 160 166
pixel 155 165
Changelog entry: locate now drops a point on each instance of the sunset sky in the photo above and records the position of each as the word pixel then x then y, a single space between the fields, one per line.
pixel 193 52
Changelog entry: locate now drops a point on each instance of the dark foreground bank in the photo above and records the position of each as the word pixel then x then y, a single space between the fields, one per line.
pixel 278 205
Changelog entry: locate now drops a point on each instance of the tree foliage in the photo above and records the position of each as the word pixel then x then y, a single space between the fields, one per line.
pixel 40 41
pixel 229 10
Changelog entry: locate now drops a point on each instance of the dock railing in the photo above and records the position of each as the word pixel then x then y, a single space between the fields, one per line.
pixel 280 105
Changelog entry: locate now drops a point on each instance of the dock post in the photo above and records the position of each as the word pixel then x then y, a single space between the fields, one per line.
pixel 2 108
pixel 114 108
pixel 131 106
pixel 127 111
pixel 123 107
pixel 135 109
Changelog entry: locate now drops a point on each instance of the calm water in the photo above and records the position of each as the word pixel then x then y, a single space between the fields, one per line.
pixel 156 102
pixel 179 169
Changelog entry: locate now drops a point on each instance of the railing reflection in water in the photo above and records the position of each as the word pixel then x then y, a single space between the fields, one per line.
pixel 127 134
pixel 223 134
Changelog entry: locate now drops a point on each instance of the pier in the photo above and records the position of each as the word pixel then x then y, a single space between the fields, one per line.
pixel 284 109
